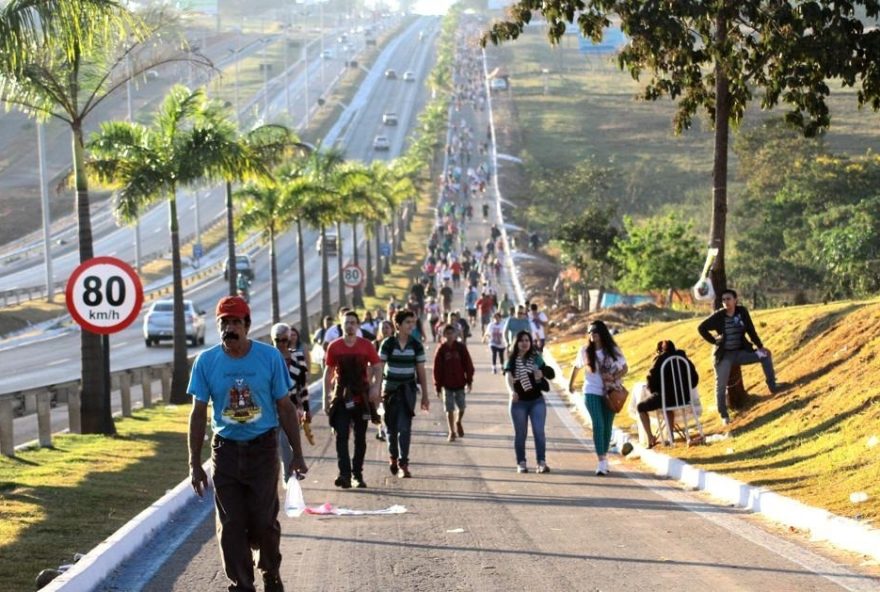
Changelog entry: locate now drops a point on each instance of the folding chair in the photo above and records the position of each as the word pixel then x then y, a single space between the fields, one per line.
pixel 675 390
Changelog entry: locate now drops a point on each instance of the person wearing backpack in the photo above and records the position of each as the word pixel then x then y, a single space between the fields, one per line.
pixel 453 377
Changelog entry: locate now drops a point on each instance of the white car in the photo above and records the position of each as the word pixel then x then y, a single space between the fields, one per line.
pixel 381 143
pixel 159 323
pixel 389 118
pixel 331 240
pixel 409 76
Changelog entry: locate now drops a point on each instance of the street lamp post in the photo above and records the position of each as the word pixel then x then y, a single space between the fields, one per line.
pixel 44 202
pixel 130 113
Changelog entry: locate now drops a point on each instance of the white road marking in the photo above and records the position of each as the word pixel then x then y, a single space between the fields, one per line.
pixel 59 362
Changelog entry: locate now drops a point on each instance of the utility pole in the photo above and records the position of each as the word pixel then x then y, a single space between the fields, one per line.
pixel 44 202
pixel 130 113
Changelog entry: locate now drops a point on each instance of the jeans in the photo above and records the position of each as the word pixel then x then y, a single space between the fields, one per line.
pixel 342 422
pixel 246 502
pixel 499 353
pixel 520 414
pixel 722 373
pixel 398 422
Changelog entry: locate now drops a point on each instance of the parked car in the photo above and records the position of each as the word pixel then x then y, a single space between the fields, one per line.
pixel 243 265
pixel 389 118
pixel 331 240
pixel 409 76
pixel 391 74
pixel 499 84
pixel 159 323
pixel 381 143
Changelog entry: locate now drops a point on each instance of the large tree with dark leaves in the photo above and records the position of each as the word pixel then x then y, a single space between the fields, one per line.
pixel 715 55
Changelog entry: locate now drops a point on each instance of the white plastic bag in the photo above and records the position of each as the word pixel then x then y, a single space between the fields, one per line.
pixel 294 503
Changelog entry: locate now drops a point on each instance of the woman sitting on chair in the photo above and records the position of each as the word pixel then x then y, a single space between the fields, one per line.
pixel 665 349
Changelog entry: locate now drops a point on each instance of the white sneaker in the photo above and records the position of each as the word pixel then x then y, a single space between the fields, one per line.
pixel 725 421
pixel 522 468
pixel 602 467
pixel 543 468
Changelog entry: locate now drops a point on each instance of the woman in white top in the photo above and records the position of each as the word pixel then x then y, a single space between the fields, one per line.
pixel 604 365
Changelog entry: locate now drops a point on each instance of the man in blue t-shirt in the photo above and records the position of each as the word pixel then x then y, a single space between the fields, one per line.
pixel 247 383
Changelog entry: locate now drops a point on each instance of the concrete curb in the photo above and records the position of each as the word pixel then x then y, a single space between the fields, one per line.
pixel 844 533
pixel 98 563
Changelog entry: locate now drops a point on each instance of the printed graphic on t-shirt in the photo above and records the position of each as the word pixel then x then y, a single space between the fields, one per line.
pixel 241 407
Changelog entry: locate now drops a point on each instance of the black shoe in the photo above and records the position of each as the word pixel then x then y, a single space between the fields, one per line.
pixel 343 482
pixel 358 481
pixel 404 471
pixel 392 466
pixel 272 582
pixel 380 436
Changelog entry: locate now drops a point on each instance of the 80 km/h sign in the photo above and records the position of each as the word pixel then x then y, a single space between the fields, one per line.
pixel 104 295
pixel 352 275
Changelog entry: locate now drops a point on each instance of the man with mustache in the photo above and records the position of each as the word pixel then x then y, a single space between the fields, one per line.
pixel 247 384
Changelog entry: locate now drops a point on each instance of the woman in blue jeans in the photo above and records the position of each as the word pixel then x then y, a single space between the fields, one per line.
pixel 524 373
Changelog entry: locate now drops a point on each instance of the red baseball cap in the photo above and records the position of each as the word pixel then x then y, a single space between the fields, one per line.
pixel 232 306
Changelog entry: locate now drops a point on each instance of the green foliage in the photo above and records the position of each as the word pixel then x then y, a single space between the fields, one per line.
pixel 661 253
pixel 557 195
pixel 586 242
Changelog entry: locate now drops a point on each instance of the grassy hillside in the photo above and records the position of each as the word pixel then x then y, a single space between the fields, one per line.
pixel 817 441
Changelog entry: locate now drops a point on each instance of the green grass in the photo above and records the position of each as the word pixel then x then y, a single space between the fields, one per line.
pixel 812 441
pixel 58 501
pixel 591 111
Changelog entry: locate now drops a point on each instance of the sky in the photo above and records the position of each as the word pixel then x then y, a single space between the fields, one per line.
pixel 432 6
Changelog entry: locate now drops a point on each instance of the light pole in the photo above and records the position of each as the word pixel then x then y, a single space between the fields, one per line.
pixel 321 12
pixel 130 113
pixel 306 66
pixel 44 202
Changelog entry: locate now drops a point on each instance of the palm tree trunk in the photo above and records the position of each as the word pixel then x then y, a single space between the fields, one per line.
pixel 339 282
pixel 325 275
pixel 303 297
pixel 95 414
pixel 394 243
pixel 273 279
pixel 230 242
pixel 377 232
pixel 180 367
pixel 719 170
pixel 357 297
pixel 369 288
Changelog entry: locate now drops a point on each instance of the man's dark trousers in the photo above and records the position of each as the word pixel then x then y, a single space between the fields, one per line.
pixel 342 421
pixel 246 498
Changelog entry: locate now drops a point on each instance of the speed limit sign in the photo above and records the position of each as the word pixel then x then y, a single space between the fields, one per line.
pixel 352 275
pixel 104 295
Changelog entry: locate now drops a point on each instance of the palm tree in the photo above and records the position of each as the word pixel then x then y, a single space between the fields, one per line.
pixel 358 207
pixel 191 139
pixel 61 59
pixel 265 146
pixel 264 209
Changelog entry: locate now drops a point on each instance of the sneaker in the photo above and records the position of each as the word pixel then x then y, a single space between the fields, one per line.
pixel 392 466
pixel 272 582
pixel 450 437
pixel 522 468
pixel 602 468
pixel 460 430
pixel 358 481
pixel 494 370
pixel 404 471
pixel 343 482
pixel 725 421
pixel 543 468
pixel 380 436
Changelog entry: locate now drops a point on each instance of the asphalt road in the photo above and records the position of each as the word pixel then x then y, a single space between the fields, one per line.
pixel 56 358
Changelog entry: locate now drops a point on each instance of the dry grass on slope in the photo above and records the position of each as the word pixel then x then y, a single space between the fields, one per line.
pixel 816 441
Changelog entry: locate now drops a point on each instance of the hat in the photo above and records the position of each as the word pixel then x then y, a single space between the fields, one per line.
pixel 232 306
pixel 281 330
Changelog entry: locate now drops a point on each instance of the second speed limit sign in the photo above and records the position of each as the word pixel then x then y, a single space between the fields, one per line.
pixel 104 295
pixel 352 275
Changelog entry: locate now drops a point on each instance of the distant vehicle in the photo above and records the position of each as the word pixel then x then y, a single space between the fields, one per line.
pixel 389 118
pixel 421 35
pixel 499 84
pixel 391 74
pixel 331 240
pixel 327 54
pixel 409 76
pixel 342 38
pixel 151 75
pixel 243 265
pixel 159 323
pixel 381 143
pixel 370 41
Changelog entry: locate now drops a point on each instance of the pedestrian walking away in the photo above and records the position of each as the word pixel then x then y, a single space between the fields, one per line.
pixel 351 385
pixel 526 381
pixel 603 365
pixel 404 364
pixel 453 377
pixel 727 329
pixel 247 384
pixel 286 339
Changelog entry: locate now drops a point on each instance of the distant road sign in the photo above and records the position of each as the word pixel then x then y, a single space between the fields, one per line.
pixel 352 275
pixel 385 249
pixel 104 295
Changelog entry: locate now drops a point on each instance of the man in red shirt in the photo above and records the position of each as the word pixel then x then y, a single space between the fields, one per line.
pixel 453 375
pixel 486 305
pixel 456 273
pixel 352 378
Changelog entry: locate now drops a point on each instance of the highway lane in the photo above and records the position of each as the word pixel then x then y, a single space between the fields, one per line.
pixel 56 359
pixel 119 242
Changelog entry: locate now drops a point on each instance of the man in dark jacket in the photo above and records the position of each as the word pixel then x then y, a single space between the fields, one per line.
pixel 453 374
pixel 729 330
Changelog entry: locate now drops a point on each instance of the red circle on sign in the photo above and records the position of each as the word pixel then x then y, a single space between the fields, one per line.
pixel 352 275
pixel 124 269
